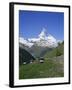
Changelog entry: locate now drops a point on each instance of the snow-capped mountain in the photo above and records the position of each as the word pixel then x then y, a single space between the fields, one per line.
pixel 25 42
pixel 42 40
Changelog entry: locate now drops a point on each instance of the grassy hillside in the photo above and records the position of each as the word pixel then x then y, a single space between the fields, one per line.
pixel 53 65
pixel 55 52
pixel 50 68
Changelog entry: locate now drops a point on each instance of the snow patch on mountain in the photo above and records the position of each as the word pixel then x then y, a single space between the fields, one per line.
pixel 25 42
pixel 47 41
pixel 42 35
pixel 33 40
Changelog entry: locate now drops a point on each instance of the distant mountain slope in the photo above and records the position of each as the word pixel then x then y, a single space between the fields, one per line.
pixel 24 56
pixel 36 51
pixel 55 52
pixel 39 51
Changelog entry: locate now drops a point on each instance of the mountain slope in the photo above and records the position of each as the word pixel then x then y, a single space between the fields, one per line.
pixel 39 51
pixel 55 52
pixel 24 56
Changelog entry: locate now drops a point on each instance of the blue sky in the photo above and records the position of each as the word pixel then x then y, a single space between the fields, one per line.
pixel 31 24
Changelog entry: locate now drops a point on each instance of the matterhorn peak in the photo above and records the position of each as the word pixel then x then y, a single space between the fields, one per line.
pixel 42 35
pixel 43 40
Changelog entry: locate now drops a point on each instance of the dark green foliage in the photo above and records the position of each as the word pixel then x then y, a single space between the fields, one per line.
pixel 58 52
pixel 24 56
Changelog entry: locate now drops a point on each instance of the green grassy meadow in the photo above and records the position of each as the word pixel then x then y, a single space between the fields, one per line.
pixel 50 68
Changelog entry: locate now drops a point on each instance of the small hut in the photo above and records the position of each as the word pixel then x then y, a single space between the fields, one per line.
pixel 24 63
pixel 41 60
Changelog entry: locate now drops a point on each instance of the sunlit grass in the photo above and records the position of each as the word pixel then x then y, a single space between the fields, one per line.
pixel 49 68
